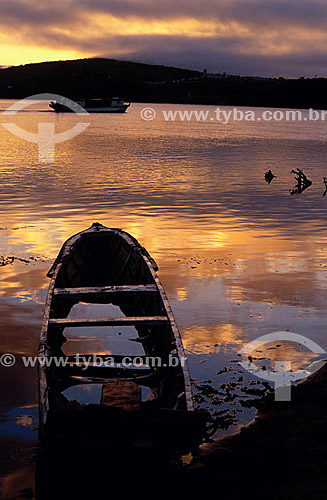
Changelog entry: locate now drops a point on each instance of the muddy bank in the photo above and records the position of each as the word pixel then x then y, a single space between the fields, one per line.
pixel 281 455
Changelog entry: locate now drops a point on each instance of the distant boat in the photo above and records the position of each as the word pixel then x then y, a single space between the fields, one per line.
pixel 108 105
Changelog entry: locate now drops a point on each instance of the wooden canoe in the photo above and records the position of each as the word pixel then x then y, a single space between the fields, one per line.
pixel 109 267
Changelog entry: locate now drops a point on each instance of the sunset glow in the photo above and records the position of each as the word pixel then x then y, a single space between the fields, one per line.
pixel 230 36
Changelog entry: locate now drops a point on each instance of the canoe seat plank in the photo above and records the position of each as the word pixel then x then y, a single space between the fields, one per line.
pixel 115 358
pixel 106 371
pixel 124 321
pixel 85 292
pixel 72 378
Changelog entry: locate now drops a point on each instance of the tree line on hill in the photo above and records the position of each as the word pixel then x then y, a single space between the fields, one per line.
pixel 138 82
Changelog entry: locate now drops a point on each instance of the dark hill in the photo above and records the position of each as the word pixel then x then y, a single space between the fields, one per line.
pixel 137 82
pixel 86 78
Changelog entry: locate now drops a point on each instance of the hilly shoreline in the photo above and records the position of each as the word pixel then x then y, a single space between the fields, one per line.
pixel 138 82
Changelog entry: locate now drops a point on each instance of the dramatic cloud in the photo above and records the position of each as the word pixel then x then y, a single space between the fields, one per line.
pixel 268 37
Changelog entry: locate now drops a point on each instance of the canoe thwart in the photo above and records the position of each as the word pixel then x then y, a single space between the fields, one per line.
pixel 109 372
pixel 85 292
pixel 123 321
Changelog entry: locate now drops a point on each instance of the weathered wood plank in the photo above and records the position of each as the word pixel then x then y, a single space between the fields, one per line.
pixel 115 358
pixel 110 372
pixel 85 292
pixel 124 321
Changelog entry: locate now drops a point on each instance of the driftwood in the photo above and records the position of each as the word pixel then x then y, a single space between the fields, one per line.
pixel 269 176
pixel 302 182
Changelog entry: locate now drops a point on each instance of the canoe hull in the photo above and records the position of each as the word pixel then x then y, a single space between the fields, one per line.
pixel 108 266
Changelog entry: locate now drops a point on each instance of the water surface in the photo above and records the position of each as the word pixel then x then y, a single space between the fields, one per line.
pixel 238 258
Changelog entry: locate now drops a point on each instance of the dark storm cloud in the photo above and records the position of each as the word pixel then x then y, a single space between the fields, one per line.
pixel 221 60
pixel 225 55
pixel 16 13
pixel 221 54
pixel 271 12
pixel 250 11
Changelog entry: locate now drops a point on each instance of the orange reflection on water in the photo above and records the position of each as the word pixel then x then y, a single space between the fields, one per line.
pixel 206 339
pixel 19 482
pixel 238 258
pixel 299 357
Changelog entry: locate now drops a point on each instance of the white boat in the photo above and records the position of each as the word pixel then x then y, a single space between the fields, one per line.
pixel 107 105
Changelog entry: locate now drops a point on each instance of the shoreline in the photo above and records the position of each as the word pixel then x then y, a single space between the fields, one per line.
pixel 281 454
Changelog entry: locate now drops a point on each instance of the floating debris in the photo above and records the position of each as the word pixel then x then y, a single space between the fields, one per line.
pixel 269 176
pixel 325 182
pixel 302 182
pixel 21 227
pixel 4 261
pixel 231 398
pixel 194 262
pixel 10 259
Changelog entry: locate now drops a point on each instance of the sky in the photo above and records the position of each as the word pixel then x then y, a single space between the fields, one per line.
pixel 247 37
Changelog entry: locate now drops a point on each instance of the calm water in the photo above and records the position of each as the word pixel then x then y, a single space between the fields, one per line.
pixel 238 258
